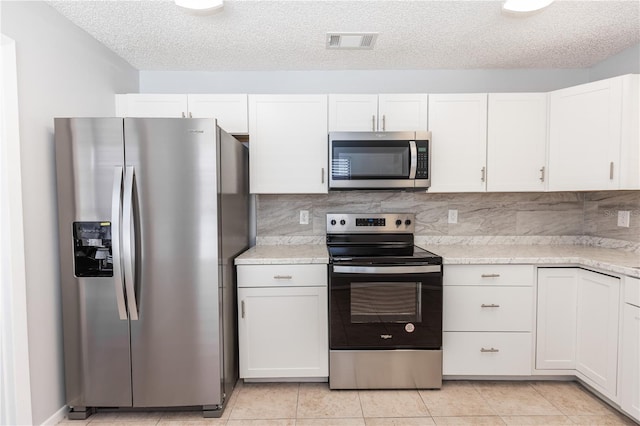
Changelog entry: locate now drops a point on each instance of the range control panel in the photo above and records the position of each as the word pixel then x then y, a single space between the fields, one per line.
pixel 370 223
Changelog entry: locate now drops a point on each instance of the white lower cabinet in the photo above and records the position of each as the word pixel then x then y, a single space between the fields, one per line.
pixel 486 354
pixel 556 319
pixel 597 332
pixel 487 320
pixel 630 348
pixel 578 326
pixel 282 321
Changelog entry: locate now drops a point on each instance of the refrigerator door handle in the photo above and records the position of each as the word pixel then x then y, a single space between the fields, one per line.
pixel 128 243
pixel 116 214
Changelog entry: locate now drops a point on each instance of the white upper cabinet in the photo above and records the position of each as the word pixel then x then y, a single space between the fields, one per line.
pixel 151 105
pixel 593 136
pixel 397 112
pixel 229 109
pixel 353 113
pixel 630 138
pixel 288 147
pixel 389 112
pixel 458 125
pixel 516 142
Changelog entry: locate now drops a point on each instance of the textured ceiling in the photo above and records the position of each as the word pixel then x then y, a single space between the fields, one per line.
pixel 290 35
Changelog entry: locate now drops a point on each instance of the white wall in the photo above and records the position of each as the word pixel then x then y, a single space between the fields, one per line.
pixel 625 62
pixel 62 71
pixel 420 81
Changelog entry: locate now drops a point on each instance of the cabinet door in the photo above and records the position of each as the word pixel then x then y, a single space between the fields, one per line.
pixel 516 142
pixel 584 136
pixel 597 332
pixel 630 373
pixel 288 146
pixel 152 105
pixel 556 319
pixel 630 148
pixel 353 113
pixel 229 110
pixel 458 125
pixel 402 112
pixel 282 332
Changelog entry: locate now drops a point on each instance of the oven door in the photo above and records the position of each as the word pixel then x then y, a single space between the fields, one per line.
pixel 385 307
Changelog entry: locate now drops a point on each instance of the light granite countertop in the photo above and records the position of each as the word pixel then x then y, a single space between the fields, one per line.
pixel 284 254
pixel 612 260
pixel 605 259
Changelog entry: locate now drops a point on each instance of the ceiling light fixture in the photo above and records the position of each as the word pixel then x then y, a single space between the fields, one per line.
pixel 524 6
pixel 201 7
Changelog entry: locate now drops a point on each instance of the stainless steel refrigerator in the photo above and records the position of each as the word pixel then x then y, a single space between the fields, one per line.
pixel 152 212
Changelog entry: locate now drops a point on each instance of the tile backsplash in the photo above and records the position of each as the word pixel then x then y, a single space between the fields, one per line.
pixel 479 214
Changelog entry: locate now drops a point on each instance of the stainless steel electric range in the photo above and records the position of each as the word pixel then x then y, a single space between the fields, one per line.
pixel 385 304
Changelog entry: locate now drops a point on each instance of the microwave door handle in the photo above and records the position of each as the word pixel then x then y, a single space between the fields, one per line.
pixel 414 159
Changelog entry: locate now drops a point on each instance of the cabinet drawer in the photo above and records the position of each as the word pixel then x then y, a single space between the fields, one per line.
pixel 632 291
pixel 282 275
pixel 513 275
pixel 474 308
pixel 507 354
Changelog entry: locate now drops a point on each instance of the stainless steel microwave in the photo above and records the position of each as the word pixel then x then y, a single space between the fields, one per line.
pixel 379 160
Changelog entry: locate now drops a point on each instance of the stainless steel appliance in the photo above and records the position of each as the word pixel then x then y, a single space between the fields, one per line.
pixel 379 160
pixel 151 213
pixel 385 304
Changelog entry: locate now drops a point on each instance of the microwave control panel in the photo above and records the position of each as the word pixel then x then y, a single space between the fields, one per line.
pixel 422 168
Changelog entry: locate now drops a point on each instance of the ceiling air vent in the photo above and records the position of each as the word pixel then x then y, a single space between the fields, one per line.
pixel 351 40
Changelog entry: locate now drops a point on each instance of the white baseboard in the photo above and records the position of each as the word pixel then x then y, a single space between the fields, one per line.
pixel 56 417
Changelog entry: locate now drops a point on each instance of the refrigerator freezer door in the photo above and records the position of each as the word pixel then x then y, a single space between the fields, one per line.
pixel 175 343
pixel 96 341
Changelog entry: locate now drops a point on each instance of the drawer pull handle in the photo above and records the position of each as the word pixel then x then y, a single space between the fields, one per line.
pixel 490 275
pixel 489 350
pixel 242 305
pixel 492 305
pixel 282 277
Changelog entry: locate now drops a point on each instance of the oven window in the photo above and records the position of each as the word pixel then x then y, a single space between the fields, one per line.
pixel 370 161
pixel 378 302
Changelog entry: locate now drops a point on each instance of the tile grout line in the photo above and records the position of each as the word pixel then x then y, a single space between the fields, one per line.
pixel 474 387
pixel 550 402
pixel 361 409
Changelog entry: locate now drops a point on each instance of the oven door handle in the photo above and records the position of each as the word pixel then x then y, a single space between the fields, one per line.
pixel 417 269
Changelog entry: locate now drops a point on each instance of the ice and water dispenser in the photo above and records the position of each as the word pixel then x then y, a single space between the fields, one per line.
pixel 92 249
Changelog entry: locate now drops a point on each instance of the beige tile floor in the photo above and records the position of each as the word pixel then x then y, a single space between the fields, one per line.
pixel 457 403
